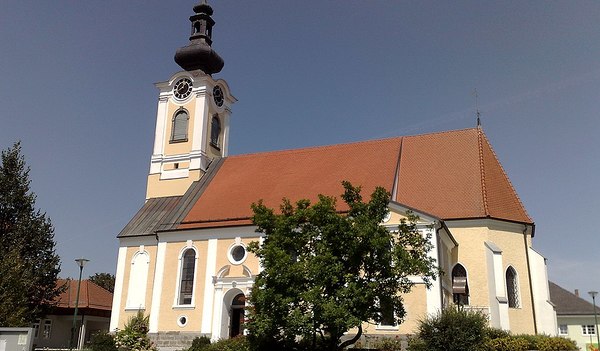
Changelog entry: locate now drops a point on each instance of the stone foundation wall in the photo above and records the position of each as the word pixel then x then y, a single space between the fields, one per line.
pixel 173 340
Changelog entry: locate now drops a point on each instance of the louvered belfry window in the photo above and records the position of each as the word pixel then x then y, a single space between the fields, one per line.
pixel 512 288
pixel 186 286
pixel 460 286
pixel 215 131
pixel 179 131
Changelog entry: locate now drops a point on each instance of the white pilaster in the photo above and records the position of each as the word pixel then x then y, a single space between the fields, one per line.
pixel 434 297
pixel 211 266
pixel 218 306
pixel 201 118
pixel 157 288
pixel 118 292
pixel 497 297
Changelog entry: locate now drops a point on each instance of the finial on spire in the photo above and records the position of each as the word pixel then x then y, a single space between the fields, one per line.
pixel 477 112
pixel 198 54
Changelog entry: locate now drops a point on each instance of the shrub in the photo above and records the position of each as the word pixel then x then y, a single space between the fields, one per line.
pixel 452 329
pixel 102 341
pixel 508 343
pixel 495 333
pixel 200 343
pixel 135 335
pixel 556 344
pixel 388 344
pixel 239 343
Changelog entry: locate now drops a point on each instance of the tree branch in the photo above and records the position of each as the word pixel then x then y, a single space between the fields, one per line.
pixel 353 340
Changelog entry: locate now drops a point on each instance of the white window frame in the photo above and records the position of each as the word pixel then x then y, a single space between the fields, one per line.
pixel 47 332
pixel 36 328
pixel 563 329
pixel 176 303
pixel 585 329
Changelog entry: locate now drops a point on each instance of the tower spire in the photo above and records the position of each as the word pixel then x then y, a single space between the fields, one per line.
pixel 198 54
pixel 477 112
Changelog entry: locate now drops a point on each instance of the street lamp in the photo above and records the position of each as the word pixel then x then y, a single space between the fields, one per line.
pixel 80 262
pixel 593 295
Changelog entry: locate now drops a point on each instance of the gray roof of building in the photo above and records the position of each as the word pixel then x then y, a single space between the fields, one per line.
pixel 166 213
pixel 568 303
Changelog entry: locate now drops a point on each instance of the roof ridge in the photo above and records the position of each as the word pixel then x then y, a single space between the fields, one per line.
pixel 506 177
pixel 482 172
pixel 309 148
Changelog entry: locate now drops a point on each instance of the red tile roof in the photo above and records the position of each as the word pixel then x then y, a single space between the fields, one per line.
pixel 293 174
pixel 450 175
pixel 456 175
pixel 90 295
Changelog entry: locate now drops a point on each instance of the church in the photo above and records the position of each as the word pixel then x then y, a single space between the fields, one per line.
pixel 183 257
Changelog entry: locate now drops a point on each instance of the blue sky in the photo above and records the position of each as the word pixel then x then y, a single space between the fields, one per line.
pixel 76 86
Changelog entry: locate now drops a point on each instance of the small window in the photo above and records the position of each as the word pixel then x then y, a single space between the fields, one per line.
pixel 215 131
pixel 386 307
pixel 460 286
pixel 47 332
pixel 36 328
pixel 588 329
pixel 563 330
pixel 179 131
pixel 182 321
pixel 512 288
pixel 186 286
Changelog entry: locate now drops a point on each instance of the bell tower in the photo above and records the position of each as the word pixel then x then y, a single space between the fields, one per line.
pixel 192 120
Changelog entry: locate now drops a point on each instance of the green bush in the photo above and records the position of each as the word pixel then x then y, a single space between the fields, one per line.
pixel 452 329
pixel 200 343
pixel 239 343
pixel 102 341
pixel 388 344
pixel 508 343
pixel 135 335
pixel 556 344
pixel 495 333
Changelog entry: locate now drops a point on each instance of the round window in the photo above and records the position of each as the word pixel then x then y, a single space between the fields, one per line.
pixel 182 321
pixel 237 254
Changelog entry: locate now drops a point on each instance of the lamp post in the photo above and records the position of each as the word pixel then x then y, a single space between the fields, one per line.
pixel 593 295
pixel 80 262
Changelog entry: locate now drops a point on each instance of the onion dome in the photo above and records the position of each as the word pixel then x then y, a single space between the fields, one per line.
pixel 198 54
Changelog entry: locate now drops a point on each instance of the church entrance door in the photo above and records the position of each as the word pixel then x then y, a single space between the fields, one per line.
pixel 236 324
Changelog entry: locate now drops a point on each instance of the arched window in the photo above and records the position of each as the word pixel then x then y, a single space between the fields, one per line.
pixel 186 284
pixel 460 286
pixel 179 132
pixel 215 131
pixel 512 288
pixel 138 277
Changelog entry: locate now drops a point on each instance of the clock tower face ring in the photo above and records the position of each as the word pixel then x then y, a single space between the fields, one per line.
pixel 182 88
pixel 218 96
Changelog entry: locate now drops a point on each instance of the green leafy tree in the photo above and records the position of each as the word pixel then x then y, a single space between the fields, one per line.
pixel 105 280
pixel 29 265
pixel 326 271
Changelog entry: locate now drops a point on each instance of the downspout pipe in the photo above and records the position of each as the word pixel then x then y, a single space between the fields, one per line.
pixel 529 276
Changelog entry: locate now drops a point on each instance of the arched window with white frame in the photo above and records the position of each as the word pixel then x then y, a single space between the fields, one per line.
pixel 512 288
pixel 138 278
pixel 179 129
pixel 460 285
pixel 186 277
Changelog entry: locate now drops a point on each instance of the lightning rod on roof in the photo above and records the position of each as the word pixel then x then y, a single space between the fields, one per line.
pixel 477 112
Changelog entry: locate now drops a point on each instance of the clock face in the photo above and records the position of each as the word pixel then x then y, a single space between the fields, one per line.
pixel 218 95
pixel 182 89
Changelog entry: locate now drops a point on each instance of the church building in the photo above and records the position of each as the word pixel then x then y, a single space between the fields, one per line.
pixel 183 257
